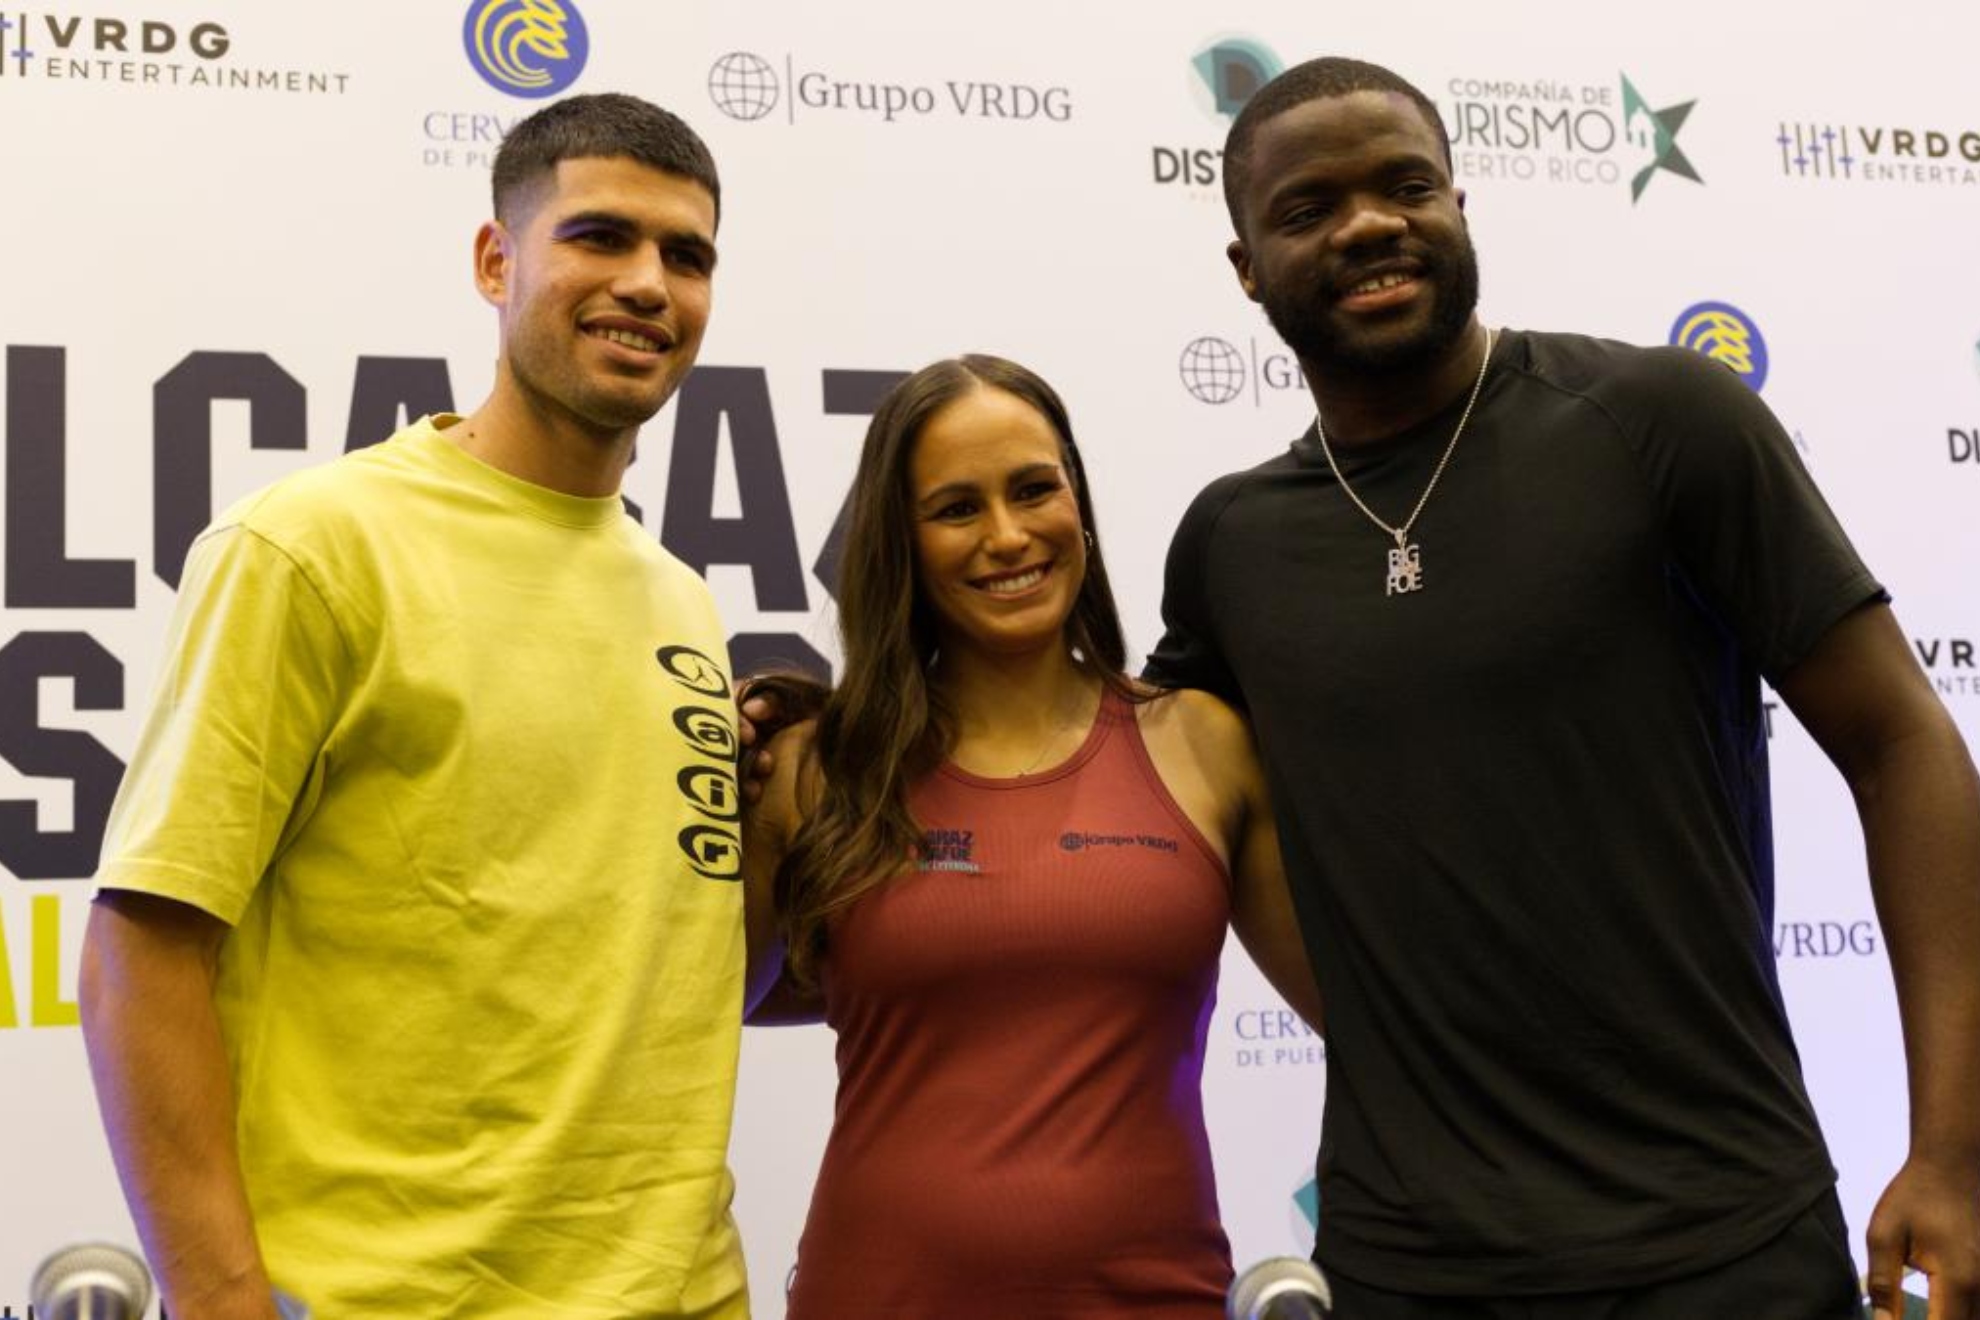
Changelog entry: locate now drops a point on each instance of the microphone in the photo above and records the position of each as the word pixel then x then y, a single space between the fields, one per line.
pixel 93 1281
pixel 1281 1288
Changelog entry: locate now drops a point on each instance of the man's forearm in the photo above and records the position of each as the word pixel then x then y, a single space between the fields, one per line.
pixel 1921 825
pixel 166 1095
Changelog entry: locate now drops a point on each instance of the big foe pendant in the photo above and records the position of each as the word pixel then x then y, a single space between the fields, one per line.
pixel 1405 568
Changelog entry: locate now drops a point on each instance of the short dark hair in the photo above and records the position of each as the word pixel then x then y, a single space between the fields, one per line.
pixel 1315 80
pixel 601 124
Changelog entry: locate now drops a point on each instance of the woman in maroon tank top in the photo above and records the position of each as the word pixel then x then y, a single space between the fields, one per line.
pixel 1002 871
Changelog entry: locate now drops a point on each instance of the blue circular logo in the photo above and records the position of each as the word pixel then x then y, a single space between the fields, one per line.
pixel 532 48
pixel 1725 334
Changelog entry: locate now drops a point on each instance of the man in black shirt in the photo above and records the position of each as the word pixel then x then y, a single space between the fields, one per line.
pixel 1501 617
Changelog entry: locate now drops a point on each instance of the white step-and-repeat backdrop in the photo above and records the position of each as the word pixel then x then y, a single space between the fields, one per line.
pixel 234 239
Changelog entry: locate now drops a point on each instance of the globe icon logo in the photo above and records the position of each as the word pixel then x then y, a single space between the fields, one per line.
pixel 743 86
pixel 1212 370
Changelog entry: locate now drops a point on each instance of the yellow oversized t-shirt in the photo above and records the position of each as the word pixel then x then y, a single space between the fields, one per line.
pixel 453 754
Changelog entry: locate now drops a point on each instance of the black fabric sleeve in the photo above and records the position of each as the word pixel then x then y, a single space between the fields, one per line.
pixel 1189 654
pixel 1749 529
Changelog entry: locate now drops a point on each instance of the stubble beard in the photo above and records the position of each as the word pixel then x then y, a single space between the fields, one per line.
pixel 1301 313
pixel 564 387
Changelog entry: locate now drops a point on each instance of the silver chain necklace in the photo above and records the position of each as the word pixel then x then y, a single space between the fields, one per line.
pixel 1406 559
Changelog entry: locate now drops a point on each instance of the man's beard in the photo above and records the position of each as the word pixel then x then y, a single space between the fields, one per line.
pixel 1302 314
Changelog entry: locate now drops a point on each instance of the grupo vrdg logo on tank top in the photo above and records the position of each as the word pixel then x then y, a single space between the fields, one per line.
pixel 712 847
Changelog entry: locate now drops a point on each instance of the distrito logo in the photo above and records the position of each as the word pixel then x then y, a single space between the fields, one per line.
pixel 531 48
pixel 1231 70
pixel 1213 370
pixel 1306 1211
pixel 1727 335
pixel 743 85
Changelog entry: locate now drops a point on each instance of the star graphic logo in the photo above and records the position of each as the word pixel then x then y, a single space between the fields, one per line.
pixel 1657 130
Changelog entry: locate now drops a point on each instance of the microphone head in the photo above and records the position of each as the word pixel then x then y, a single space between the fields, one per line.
pixel 1276 1287
pixel 107 1280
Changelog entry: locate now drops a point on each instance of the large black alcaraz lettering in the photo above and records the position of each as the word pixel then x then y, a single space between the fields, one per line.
pixel 92 769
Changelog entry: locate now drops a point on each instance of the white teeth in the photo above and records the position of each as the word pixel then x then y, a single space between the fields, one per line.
pixel 1379 283
pixel 1010 586
pixel 629 339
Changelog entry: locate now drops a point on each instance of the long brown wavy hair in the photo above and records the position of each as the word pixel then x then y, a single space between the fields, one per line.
pixel 886 725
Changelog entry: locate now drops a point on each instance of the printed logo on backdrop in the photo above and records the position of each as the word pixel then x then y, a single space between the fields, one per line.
pixel 1229 72
pixel 1963 442
pixel 166 55
pixel 1216 371
pixel 1951 662
pixel 1306 1210
pixel 1223 74
pixel 747 86
pixel 525 49
pixel 1826 940
pixel 1727 335
pixel 1273 1036
pixel 1574 133
pixel 529 48
pixel 1824 151
pixel 743 86
pixel 722 430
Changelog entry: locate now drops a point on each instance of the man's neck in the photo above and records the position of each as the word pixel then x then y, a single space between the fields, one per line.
pixel 1362 407
pixel 555 452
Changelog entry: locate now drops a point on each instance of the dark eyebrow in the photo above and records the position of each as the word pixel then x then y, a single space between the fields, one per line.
pixel 936 497
pixel 596 220
pixel 692 240
pixel 943 493
pixel 1402 165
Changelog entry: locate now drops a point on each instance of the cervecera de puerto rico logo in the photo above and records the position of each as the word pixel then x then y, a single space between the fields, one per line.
pixel 748 86
pixel 1543 131
pixel 530 48
pixel 1727 335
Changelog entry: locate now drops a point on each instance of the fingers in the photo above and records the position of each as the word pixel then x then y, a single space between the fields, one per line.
pixel 757 768
pixel 1884 1279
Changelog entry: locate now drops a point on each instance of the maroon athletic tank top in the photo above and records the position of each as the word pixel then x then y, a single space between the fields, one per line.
pixel 1021 1021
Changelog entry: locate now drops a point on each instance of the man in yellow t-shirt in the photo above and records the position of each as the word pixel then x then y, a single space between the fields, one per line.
pixel 414 983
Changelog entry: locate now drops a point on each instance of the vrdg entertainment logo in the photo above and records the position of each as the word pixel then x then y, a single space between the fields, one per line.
pixel 144 52
pixel 1832 152
pixel 746 86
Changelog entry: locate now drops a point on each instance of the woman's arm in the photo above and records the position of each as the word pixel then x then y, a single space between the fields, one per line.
pixel 1206 756
pixel 768 828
